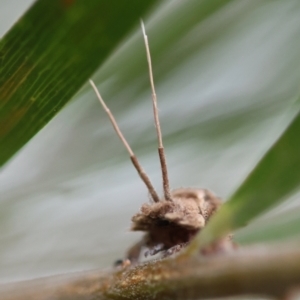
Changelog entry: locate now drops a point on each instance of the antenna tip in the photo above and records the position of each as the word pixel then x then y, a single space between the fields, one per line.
pixel 143 27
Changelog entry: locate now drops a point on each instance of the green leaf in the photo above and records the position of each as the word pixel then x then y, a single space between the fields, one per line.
pixel 48 55
pixel 277 226
pixel 275 177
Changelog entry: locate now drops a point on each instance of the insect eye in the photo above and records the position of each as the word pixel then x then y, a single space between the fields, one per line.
pixel 206 198
pixel 118 262
pixel 162 223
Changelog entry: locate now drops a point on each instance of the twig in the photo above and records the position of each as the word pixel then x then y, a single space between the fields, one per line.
pixel 258 271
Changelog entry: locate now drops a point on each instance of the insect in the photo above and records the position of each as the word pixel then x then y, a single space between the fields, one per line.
pixel 169 222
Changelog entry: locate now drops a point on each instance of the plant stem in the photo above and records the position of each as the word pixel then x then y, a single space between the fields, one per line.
pixel 258 271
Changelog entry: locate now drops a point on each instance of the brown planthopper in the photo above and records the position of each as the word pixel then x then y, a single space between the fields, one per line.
pixel 170 222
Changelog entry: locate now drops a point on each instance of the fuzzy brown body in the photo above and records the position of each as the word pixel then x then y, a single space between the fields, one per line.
pixel 172 224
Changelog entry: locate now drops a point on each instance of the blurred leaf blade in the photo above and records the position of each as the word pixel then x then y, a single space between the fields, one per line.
pixel 48 55
pixel 276 176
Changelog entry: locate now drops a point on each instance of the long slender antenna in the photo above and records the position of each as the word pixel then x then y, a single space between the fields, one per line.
pixel 161 151
pixel 133 158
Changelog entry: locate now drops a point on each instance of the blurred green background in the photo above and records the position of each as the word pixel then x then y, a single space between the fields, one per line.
pixel 227 82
